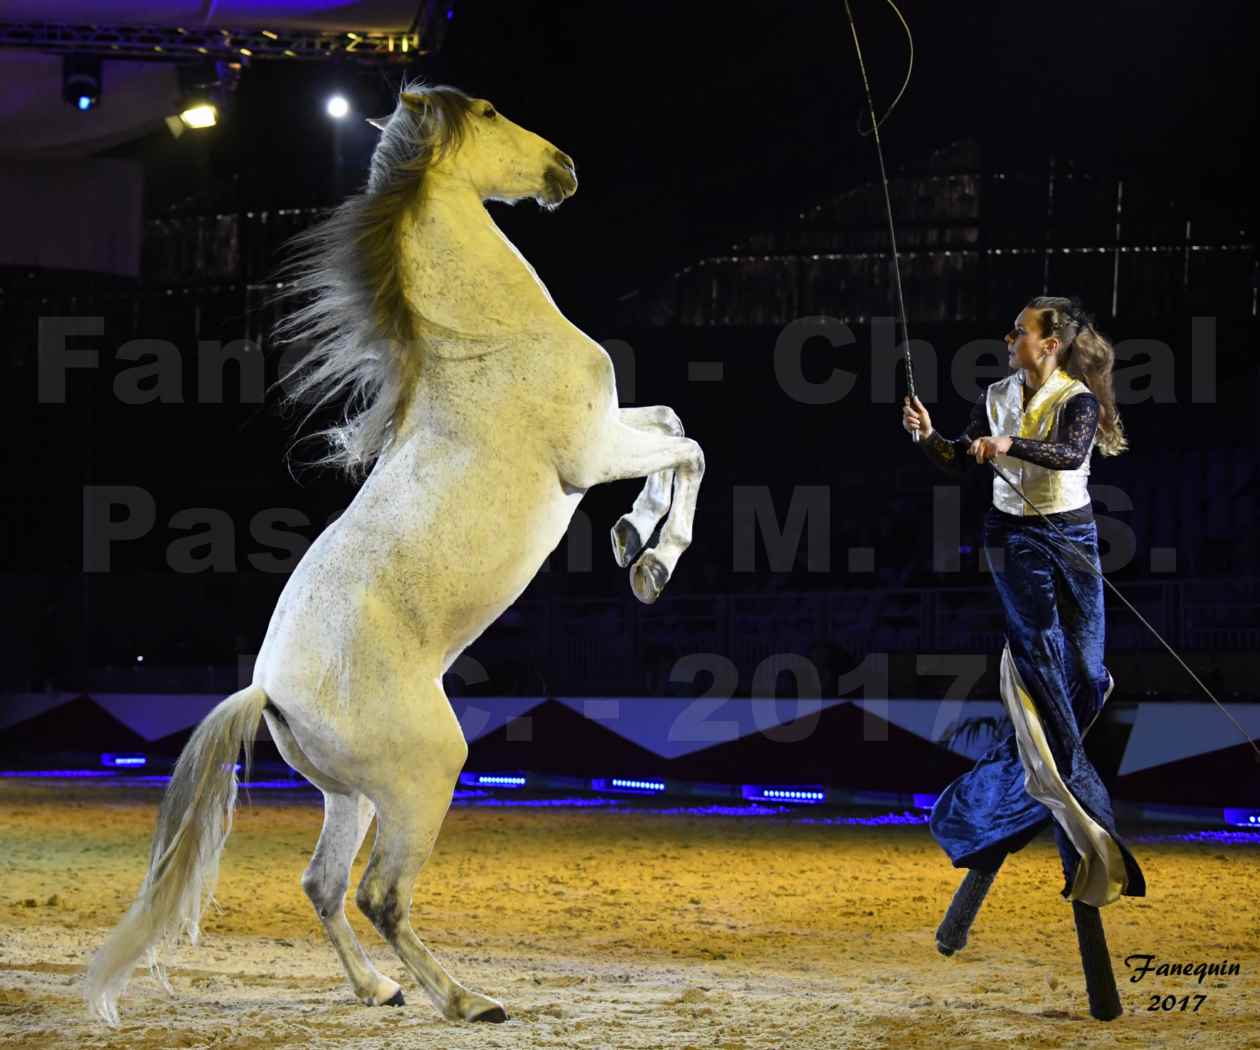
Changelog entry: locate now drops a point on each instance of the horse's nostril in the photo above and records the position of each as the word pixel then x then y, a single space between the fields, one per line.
pixel 566 160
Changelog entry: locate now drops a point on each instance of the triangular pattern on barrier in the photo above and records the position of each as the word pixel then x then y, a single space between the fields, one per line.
pixel 155 715
pixel 930 718
pixel 1171 731
pixel 481 716
pixel 20 707
pixel 674 726
pixel 670 727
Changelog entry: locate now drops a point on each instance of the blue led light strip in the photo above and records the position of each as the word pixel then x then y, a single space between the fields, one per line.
pixel 637 785
pixel 784 794
pixel 494 780
pixel 109 759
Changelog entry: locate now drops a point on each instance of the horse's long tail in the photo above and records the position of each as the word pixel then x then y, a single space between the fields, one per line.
pixel 193 824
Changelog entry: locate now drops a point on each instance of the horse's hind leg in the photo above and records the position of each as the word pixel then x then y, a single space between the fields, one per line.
pixel 347 815
pixel 633 530
pixel 951 936
pixel 409 814
pixel 327 877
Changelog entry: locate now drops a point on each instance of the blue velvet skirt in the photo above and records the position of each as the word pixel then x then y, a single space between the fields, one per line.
pixel 1053 667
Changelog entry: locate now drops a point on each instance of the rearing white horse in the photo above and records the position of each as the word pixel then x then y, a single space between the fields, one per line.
pixel 483 416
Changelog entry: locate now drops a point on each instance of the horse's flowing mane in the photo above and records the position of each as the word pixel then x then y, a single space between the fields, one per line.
pixel 364 349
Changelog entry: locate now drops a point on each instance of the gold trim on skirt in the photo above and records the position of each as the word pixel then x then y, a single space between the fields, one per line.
pixel 1101 877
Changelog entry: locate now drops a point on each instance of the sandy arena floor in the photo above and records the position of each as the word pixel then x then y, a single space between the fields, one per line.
pixel 620 930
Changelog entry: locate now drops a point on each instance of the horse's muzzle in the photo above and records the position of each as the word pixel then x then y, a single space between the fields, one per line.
pixel 560 184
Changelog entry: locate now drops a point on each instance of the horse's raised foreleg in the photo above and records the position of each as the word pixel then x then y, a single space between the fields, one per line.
pixel 633 530
pixel 409 814
pixel 625 452
pixel 327 877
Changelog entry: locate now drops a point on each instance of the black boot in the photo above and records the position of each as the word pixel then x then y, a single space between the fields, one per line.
pixel 1100 982
pixel 952 933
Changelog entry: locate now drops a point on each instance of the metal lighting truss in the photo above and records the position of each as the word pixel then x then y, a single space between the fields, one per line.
pixel 162 42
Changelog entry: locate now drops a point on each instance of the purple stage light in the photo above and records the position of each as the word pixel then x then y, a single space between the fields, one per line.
pixel 883 818
pixel 57 774
pixel 280 785
pixel 718 810
pixel 1243 818
pixel 923 801
pixel 1217 838
pixel 546 803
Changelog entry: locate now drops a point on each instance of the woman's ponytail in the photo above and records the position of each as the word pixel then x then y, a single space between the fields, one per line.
pixel 1085 354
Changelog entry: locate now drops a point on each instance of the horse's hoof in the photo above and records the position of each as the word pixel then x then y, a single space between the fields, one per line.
pixel 472 1006
pixel 944 949
pixel 626 542
pixel 395 1000
pixel 495 1015
pixel 648 577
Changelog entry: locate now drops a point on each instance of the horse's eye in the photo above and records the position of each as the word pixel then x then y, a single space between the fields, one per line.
pixel 489 113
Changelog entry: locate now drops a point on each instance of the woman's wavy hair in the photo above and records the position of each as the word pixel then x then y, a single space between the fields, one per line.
pixel 1085 354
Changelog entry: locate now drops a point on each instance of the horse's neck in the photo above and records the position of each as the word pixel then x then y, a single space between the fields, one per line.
pixel 472 294
pixel 462 274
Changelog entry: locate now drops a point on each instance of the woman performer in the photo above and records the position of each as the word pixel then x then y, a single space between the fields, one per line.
pixel 1039 425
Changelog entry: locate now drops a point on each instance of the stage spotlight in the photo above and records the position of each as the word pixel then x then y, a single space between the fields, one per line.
pixel 337 107
pixel 199 112
pixel 81 81
pixel 205 87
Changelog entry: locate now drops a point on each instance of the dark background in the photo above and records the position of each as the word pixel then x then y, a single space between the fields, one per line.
pixel 694 127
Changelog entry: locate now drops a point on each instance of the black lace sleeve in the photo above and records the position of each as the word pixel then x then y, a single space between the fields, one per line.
pixel 951 454
pixel 1078 421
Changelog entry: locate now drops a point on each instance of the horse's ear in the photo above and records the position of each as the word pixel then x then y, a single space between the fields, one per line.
pixel 412 100
pixel 378 122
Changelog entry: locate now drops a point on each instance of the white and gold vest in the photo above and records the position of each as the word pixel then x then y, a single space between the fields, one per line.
pixel 1051 490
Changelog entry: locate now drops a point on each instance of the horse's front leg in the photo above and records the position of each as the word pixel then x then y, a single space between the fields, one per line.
pixel 633 530
pixel 624 452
